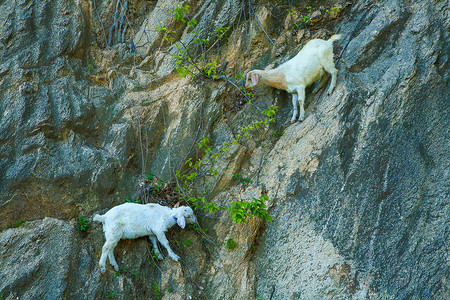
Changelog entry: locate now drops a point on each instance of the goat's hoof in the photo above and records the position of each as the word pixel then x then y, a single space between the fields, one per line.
pixel 175 257
pixel 103 269
pixel 293 121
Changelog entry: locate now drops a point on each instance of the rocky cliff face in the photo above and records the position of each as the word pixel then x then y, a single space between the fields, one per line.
pixel 90 102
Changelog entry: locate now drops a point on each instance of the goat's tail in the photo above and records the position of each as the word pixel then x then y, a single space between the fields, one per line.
pixel 98 218
pixel 335 37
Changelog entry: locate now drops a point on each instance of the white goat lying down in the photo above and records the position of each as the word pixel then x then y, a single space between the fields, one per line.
pixel 299 72
pixel 131 220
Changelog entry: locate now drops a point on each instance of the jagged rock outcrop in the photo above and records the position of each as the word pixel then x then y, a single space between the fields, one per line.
pixel 90 102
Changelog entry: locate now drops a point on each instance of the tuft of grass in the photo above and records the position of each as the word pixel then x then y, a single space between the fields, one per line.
pixel 132 200
pixel 17 224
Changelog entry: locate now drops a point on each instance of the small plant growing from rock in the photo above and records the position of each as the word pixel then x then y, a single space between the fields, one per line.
pixel 90 65
pixel 278 133
pixel 121 271
pixel 241 180
pixel 187 243
pixel 16 225
pixel 230 244
pixel 82 223
pixel 156 292
pixel 149 177
pixel 132 200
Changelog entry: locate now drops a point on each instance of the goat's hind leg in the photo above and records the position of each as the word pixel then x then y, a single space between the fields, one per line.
pixel 321 83
pixel 108 251
pixel 301 98
pixel 112 259
pixel 330 68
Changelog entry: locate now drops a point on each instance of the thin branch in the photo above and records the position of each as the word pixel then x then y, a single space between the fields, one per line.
pixel 101 22
pixel 160 271
pixel 256 18
pixel 249 100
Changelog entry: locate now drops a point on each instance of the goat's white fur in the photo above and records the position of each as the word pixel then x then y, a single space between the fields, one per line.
pixel 131 220
pixel 299 72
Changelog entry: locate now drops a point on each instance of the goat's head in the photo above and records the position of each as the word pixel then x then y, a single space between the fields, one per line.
pixel 184 214
pixel 252 80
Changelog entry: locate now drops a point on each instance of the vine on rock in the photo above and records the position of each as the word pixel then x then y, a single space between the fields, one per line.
pixel 189 65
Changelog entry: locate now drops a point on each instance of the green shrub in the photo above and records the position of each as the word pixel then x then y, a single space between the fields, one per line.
pixel 240 210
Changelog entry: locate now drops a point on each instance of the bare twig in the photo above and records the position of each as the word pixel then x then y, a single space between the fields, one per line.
pixel 249 100
pixel 273 292
pixel 101 22
pixel 160 271
pixel 366 11
pixel 114 23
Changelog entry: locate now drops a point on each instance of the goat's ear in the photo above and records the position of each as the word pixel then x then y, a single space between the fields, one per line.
pixel 181 220
pixel 254 77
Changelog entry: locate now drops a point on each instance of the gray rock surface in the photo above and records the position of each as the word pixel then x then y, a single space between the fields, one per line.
pixel 379 190
pixel 359 191
pixel 37 257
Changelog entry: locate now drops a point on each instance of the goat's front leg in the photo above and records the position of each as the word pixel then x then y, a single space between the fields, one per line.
pixel 330 68
pixel 163 240
pixel 155 247
pixel 301 98
pixel 295 107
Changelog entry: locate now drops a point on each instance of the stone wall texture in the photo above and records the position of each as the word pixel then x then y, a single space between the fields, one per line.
pixel 90 102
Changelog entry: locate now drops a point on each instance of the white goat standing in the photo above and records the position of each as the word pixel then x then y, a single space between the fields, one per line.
pixel 131 220
pixel 299 72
